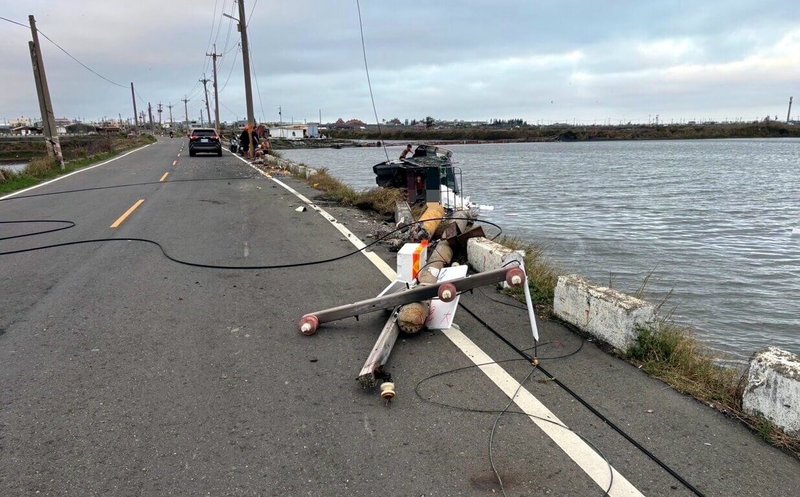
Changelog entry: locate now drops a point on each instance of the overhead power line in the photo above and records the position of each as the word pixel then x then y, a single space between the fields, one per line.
pixel 81 63
pixel 13 22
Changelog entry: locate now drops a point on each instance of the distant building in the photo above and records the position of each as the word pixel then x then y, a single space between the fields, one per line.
pixel 26 130
pixel 294 131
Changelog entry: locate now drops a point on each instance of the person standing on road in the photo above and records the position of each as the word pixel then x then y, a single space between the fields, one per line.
pixel 244 141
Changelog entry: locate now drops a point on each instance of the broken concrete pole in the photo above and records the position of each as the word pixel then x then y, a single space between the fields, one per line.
pixel 440 257
pixel 429 221
pixel 411 317
pixel 773 388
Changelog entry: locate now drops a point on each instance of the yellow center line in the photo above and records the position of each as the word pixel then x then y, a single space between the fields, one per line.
pixel 123 217
pixel 163 178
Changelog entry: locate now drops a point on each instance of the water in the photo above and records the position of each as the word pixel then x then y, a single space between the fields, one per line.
pixel 16 167
pixel 717 222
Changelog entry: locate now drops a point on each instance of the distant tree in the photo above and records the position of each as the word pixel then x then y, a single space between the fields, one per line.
pixel 429 122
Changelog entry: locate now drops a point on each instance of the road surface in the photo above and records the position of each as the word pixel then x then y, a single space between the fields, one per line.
pixel 126 373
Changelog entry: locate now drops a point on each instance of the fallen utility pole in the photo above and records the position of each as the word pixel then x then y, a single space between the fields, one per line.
pixel 447 291
pixel 45 105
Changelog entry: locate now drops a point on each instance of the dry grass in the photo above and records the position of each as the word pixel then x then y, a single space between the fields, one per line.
pixel 381 200
pixel 665 351
pixel 672 354
pixel 41 167
pixel 542 274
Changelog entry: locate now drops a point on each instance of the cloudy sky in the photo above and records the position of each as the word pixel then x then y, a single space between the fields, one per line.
pixel 544 61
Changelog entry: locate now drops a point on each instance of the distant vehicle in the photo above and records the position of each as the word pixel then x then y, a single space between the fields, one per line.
pixel 204 140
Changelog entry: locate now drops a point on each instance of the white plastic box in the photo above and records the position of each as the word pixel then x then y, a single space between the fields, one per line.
pixel 410 259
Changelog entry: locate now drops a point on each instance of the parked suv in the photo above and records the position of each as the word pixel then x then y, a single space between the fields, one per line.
pixel 204 140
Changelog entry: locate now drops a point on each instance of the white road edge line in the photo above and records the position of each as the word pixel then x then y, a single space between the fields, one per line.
pixel 74 172
pixel 588 459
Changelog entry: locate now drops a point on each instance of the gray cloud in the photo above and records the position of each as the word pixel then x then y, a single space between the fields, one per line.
pixel 542 61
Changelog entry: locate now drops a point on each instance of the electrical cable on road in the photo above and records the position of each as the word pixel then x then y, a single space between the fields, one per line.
pixel 534 360
pixel 189 263
pixel 535 363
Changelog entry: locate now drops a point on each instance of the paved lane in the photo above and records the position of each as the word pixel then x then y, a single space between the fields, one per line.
pixel 124 373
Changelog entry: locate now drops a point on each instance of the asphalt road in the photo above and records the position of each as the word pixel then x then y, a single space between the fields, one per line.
pixel 125 373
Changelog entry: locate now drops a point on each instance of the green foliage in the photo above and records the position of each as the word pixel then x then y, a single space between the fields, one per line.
pixel 563 132
pixel 78 154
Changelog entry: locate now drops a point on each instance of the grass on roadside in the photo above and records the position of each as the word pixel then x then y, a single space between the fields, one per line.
pixel 672 354
pixel 542 274
pixel 665 351
pixel 41 169
pixel 380 200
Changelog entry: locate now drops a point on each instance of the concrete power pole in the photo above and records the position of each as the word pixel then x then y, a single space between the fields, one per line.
pixel 135 119
pixel 789 113
pixel 214 56
pixel 170 106
pixel 160 110
pixel 45 105
pixel 205 88
pixel 248 89
pixel 186 111
pixel 150 113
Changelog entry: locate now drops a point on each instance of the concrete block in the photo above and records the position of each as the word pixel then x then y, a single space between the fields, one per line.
pixel 607 314
pixel 773 388
pixel 486 255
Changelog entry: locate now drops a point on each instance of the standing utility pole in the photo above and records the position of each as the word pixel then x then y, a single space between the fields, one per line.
pixel 205 88
pixel 170 114
pixel 45 105
pixel 248 90
pixel 159 113
pixel 789 114
pixel 150 113
pixel 135 119
pixel 186 111
pixel 214 56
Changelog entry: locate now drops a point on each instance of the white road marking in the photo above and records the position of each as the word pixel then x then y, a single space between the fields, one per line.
pixel 246 249
pixel 74 172
pixel 574 446
pixel 597 468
